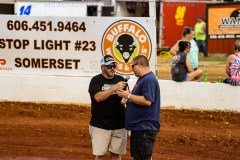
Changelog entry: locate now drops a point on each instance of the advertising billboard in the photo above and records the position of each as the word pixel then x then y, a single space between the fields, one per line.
pixel 73 46
pixel 224 21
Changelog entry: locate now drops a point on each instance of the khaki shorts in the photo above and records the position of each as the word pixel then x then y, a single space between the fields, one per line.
pixel 114 141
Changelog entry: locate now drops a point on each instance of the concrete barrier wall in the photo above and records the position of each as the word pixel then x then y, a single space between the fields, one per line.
pixel 58 89
pixel 199 95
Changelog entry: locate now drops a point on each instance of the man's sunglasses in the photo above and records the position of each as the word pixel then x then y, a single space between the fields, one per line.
pixel 111 66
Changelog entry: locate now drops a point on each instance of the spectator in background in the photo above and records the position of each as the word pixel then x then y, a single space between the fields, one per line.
pixel 200 35
pixel 181 69
pixel 143 110
pixel 233 66
pixel 188 35
pixel 108 113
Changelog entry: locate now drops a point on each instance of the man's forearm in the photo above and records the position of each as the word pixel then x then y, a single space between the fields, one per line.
pixel 103 95
pixel 140 100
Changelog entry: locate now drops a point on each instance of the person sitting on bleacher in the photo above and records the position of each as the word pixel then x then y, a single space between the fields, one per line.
pixel 233 66
pixel 181 69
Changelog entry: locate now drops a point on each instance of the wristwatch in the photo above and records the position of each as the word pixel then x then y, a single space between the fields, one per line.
pixel 129 96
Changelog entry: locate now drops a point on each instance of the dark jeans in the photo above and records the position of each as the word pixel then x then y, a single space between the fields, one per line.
pixel 141 144
pixel 231 82
pixel 226 81
pixel 202 47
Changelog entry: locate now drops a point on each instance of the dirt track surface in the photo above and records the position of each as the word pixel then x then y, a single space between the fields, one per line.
pixel 31 131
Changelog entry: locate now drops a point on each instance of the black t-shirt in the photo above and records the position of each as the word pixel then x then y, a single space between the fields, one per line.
pixel 179 68
pixel 110 113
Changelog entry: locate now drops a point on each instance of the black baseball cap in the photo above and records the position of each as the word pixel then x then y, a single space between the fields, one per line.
pixel 107 60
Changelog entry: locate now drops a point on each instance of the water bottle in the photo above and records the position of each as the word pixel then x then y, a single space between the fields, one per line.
pixel 205 77
pixel 219 79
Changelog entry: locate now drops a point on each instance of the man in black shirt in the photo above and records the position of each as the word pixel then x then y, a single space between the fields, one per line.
pixel 108 113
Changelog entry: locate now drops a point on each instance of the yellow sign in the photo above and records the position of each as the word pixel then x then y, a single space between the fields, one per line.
pixel 179 16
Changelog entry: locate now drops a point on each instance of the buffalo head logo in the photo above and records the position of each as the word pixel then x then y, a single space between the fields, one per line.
pixel 125 39
pixel 126 45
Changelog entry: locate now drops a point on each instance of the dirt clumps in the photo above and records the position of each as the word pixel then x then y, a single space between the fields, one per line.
pixel 60 131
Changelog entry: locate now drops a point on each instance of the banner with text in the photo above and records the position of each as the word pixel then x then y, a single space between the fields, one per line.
pixel 224 22
pixel 73 46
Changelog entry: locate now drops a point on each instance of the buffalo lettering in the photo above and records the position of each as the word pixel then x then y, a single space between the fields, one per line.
pixel 126 28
